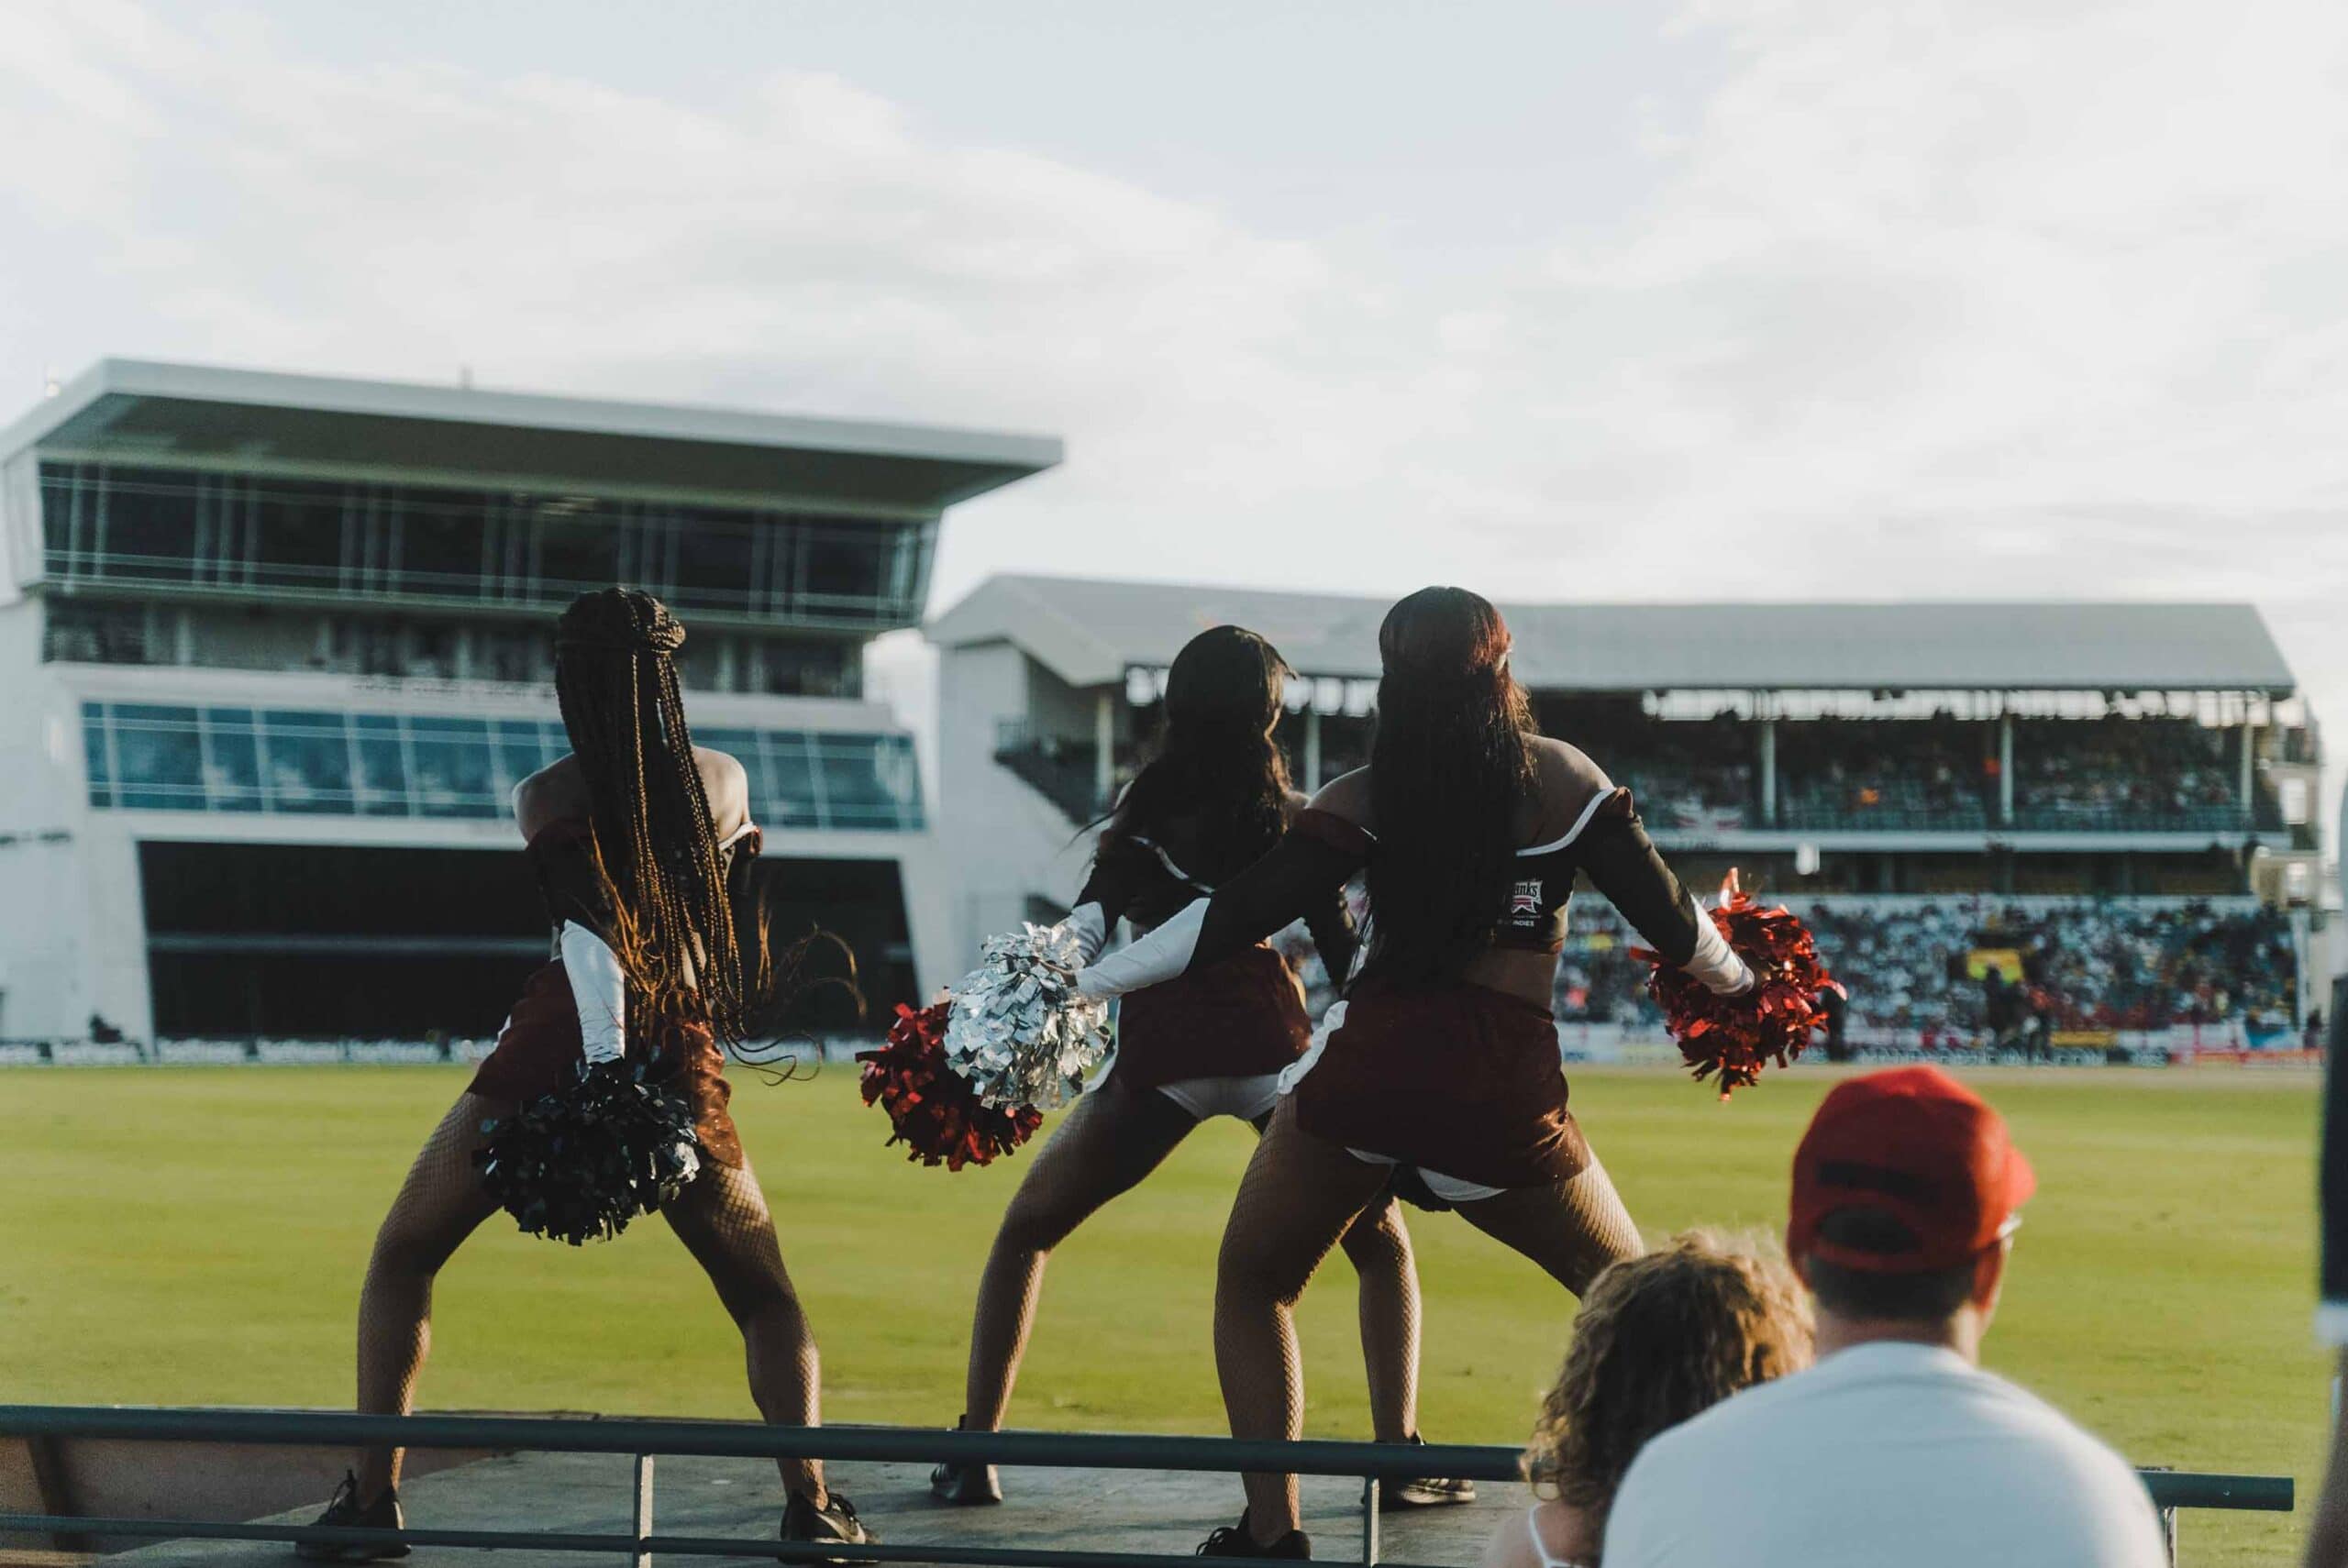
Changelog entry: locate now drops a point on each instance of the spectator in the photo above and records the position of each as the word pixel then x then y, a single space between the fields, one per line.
pixel 1837 1009
pixel 1660 1339
pixel 1896 1448
pixel 2328 1536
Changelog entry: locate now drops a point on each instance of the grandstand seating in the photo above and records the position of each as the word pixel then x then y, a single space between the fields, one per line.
pixel 2090 965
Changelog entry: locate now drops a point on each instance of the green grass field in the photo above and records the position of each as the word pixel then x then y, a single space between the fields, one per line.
pixel 196 1236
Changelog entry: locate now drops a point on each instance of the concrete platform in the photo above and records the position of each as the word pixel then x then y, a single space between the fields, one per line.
pixel 1110 1510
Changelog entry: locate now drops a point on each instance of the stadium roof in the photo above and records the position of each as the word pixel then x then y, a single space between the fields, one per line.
pixel 1089 632
pixel 132 410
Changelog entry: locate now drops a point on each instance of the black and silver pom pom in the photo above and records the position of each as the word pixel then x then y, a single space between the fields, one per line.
pixel 578 1165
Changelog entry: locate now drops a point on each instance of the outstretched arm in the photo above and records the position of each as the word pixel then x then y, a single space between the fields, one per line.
pixel 1623 864
pixel 1300 874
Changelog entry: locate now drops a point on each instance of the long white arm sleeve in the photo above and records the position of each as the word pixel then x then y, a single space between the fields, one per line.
pixel 599 988
pixel 1090 925
pixel 1714 963
pixel 1160 956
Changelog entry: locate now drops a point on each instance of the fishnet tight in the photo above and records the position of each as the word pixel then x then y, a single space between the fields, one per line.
pixel 1299 1195
pixel 1113 1137
pixel 722 1219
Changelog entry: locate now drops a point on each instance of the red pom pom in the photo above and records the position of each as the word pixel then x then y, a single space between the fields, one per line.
pixel 931 1108
pixel 1737 1036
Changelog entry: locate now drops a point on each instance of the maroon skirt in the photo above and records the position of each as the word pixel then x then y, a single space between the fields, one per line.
pixel 1238 1019
pixel 1455 1079
pixel 540 1049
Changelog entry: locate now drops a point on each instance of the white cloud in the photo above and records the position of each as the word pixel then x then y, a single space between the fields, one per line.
pixel 2025 299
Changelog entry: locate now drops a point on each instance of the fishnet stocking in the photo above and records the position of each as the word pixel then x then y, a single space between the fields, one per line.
pixel 1300 1193
pixel 1299 1196
pixel 1573 1230
pixel 722 1219
pixel 439 1204
pixel 1114 1139
pixel 1379 1246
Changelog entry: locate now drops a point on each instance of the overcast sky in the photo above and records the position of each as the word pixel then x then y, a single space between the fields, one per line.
pixel 1735 299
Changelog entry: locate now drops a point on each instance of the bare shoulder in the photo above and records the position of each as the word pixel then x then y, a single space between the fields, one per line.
pixel 727 784
pixel 554 791
pixel 1347 796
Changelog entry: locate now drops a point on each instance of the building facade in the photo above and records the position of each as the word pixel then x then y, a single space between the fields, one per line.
pixel 279 647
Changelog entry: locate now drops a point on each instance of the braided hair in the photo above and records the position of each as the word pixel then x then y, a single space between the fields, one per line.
pixel 615 676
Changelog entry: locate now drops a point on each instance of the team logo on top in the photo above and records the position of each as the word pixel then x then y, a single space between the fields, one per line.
pixel 1526 899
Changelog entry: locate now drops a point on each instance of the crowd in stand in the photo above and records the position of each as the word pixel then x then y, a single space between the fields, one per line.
pixel 2127 768
pixel 1843 772
pixel 1941 772
pixel 1927 968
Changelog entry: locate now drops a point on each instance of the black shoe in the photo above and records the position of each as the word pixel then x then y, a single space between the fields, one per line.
pixel 962 1483
pixel 836 1521
pixel 383 1513
pixel 1423 1491
pixel 1232 1540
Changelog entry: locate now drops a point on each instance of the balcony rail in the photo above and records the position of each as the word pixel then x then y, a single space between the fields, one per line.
pixel 1063 771
pixel 2169 1490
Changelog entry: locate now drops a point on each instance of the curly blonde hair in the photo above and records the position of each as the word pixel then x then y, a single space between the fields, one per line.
pixel 1660 1339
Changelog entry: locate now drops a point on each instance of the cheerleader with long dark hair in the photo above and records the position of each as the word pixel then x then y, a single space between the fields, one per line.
pixel 1212 1043
pixel 643 842
pixel 1440 1068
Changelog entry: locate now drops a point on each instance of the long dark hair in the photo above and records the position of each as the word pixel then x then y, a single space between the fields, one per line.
pixel 615 675
pixel 1449 771
pixel 1215 763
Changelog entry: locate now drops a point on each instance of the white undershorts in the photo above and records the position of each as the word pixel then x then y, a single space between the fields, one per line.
pixel 1245 1099
pixel 1451 1189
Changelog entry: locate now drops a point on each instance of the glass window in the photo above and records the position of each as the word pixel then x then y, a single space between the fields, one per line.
pixel 869 781
pixel 149 524
pixel 715 554
pixel 160 755
pixel 574 547
pixel 453 777
pixel 93 750
pixel 383 769
pixel 58 484
pixel 308 762
pixel 440 545
pixel 520 753
pixel 783 792
pixel 843 574
pixel 231 760
pixel 298 533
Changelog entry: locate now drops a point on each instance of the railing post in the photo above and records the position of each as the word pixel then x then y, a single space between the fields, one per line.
pixel 643 1559
pixel 2168 1534
pixel 1370 1519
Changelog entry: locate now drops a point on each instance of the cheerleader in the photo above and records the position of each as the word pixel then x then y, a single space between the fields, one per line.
pixel 1211 1043
pixel 1440 1064
pixel 642 842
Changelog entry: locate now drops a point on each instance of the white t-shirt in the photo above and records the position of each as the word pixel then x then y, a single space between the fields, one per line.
pixel 1882 1453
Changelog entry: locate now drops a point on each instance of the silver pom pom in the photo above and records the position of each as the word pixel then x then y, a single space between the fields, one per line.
pixel 1019 1034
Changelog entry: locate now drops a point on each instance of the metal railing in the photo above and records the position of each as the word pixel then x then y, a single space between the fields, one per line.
pixel 643 1439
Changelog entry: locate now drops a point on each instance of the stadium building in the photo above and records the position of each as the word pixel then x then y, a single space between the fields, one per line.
pixel 277 648
pixel 2090 799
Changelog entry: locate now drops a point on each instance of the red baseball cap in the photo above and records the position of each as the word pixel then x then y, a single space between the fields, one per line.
pixel 1913 1145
